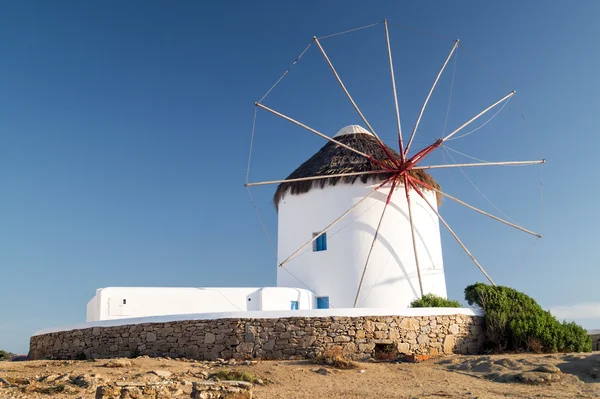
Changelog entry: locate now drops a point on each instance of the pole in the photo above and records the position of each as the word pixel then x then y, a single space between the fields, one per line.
pixel 412 231
pixel 400 145
pixel 506 97
pixel 370 158
pixel 371 172
pixel 466 165
pixel 516 226
pixel 452 232
pixel 412 136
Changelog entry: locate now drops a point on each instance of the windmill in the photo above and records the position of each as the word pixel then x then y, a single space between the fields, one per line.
pixel 395 181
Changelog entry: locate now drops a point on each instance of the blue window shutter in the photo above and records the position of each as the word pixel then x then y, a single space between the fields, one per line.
pixel 323 302
pixel 320 243
pixel 294 305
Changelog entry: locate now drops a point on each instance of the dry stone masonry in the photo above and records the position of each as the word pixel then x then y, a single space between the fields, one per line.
pixel 284 338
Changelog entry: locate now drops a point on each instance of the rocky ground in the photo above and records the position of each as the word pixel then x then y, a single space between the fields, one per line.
pixel 498 376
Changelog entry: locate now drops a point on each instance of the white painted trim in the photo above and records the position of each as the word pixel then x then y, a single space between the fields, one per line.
pixel 343 312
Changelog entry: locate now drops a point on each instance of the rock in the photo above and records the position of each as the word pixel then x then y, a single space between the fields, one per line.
pixel 404 348
pixel 118 363
pixel 366 347
pixel 130 384
pixel 245 347
pixel 349 349
pixel 341 338
pixel 237 384
pixel 107 392
pixel 86 381
pixel 162 373
pixel 409 324
pixel 132 391
pixel 209 338
pixel 3 382
pixel 322 371
pixel 454 329
pixel 548 368
pixel 449 342
pixel 535 378
pixel 224 389
pixel 55 378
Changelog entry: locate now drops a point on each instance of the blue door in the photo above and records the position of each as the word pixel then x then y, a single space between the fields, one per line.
pixel 323 302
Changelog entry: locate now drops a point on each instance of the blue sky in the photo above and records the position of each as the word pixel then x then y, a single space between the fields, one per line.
pixel 125 130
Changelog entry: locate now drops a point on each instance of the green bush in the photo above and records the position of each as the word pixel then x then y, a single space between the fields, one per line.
pixel 4 355
pixel 515 322
pixel 434 301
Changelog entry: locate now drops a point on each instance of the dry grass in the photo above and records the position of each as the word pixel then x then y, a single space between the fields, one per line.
pixel 333 159
pixel 235 375
pixel 334 357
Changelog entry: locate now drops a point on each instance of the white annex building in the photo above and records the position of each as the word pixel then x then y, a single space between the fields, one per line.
pixel 345 267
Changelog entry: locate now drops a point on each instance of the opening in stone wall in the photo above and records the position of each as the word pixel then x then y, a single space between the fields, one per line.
pixel 386 351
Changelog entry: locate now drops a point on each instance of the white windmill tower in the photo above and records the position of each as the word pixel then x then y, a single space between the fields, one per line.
pixel 390 253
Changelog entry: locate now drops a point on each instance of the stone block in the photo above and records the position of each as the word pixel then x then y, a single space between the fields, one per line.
pixel 449 343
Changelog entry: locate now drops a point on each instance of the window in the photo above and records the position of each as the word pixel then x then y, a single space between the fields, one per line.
pixel 124 301
pixel 320 244
pixel 294 305
pixel 323 302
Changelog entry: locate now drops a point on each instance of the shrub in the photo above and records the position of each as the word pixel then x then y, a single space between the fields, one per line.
pixel 4 355
pixel 514 321
pixel 334 357
pixel 434 301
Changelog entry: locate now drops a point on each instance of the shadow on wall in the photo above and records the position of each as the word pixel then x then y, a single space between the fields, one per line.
pixel 389 246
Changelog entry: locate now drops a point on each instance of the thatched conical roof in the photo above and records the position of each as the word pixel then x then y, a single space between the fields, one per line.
pixel 333 159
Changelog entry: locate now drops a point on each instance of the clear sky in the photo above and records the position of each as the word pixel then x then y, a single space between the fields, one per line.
pixel 125 129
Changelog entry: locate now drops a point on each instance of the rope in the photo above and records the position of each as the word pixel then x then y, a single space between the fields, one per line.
pixel 251 144
pixel 465 155
pixel 230 301
pixel 478 190
pixel 339 230
pixel 485 123
pixel 541 215
pixel 286 72
pixel 528 129
pixel 451 91
pixel 422 31
pixel 351 30
pixel 262 223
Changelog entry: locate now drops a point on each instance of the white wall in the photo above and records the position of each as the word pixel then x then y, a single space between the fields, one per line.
pixel 276 298
pixel 93 309
pixel 391 279
pixel 127 302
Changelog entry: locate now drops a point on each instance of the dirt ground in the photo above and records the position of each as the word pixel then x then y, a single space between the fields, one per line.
pixel 498 376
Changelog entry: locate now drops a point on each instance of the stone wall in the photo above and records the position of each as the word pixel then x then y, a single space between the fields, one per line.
pixel 282 338
pixel 595 341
